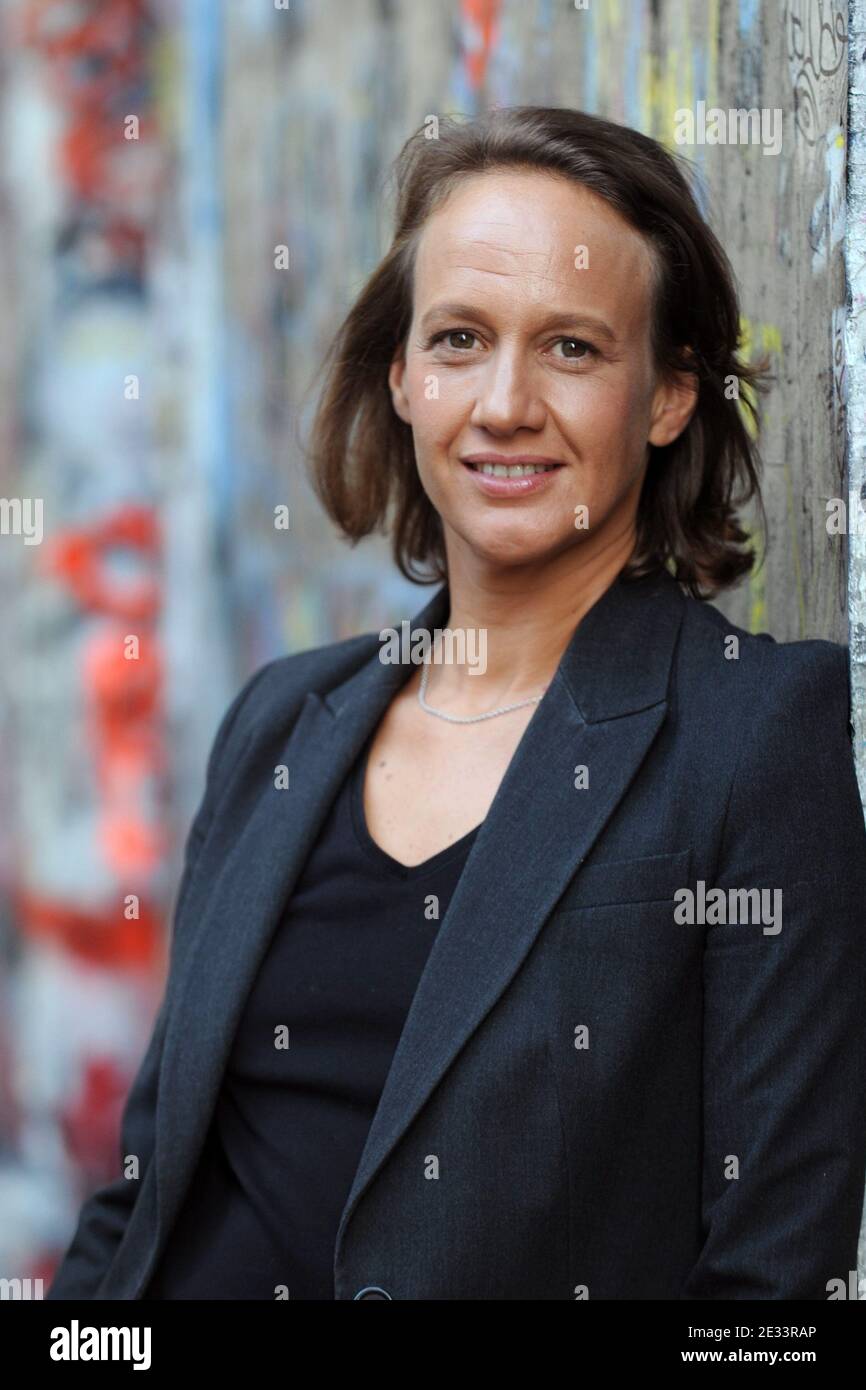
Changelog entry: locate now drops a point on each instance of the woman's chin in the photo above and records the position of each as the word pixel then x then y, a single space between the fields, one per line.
pixel 508 547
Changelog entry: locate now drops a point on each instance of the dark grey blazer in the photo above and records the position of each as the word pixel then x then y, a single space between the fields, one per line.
pixel 622 1106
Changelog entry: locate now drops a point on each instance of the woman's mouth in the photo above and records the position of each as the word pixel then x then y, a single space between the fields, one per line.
pixel 517 470
pixel 497 478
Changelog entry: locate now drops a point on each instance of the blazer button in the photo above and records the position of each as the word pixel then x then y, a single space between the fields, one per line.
pixel 372 1291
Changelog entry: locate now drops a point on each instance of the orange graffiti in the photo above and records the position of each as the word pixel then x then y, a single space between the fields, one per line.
pixel 480 26
pixel 79 558
pixel 123 681
pixel 124 708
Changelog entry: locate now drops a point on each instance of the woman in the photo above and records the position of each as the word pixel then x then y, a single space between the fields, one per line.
pixel 539 976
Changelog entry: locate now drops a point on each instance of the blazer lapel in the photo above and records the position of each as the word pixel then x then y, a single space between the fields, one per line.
pixel 537 832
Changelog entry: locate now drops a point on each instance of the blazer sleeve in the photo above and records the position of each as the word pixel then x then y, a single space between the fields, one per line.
pixel 103 1217
pixel 784 1076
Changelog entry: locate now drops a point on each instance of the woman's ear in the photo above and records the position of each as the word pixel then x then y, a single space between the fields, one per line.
pixel 674 404
pixel 399 399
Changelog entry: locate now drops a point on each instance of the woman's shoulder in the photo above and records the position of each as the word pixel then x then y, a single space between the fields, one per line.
pixel 271 698
pixel 808 677
pixel 773 719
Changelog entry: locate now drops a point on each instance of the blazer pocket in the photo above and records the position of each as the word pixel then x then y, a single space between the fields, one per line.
pixel 610 883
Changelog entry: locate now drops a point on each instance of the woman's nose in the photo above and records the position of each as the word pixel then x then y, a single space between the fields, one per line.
pixel 507 399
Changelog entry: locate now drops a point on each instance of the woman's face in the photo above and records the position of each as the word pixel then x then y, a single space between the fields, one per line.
pixel 530 343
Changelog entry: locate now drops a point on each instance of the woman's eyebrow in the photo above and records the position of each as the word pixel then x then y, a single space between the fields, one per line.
pixel 586 322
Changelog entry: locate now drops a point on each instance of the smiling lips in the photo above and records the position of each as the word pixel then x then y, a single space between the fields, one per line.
pixel 510 466
pixel 511 475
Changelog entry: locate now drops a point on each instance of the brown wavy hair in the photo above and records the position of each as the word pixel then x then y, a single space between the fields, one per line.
pixel 360 453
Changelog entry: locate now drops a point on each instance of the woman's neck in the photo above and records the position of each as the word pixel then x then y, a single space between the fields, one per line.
pixel 528 618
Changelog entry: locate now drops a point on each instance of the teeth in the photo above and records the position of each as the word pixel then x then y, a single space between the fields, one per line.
pixel 517 470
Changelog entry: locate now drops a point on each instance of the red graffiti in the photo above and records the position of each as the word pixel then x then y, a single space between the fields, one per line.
pixel 105 938
pixel 90 1122
pixel 124 691
pixel 123 682
pixel 97 54
pixel 80 557
pixel 481 34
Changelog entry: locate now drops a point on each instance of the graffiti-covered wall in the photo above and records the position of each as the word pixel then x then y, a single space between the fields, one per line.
pixel 116 662
pixel 191 192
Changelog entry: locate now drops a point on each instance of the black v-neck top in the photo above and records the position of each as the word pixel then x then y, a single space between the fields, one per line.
pixel 335 984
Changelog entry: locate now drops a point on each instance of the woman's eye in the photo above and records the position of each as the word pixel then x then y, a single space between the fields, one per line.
pixel 455 338
pixel 575 349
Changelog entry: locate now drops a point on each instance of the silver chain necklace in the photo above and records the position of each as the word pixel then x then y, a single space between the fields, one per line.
pixel 468 718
